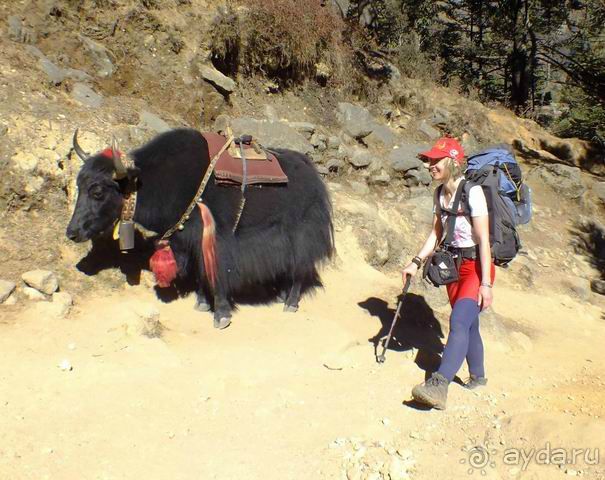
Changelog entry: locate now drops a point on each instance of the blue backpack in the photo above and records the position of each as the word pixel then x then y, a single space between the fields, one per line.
pixel 508 199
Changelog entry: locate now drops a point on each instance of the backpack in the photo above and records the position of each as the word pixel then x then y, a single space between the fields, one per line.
pixel 508 199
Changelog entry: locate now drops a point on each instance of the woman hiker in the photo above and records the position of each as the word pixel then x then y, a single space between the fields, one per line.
pixel 473 290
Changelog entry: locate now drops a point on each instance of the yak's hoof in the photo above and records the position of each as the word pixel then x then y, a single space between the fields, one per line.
pixel 291 308
pixel 202 307
pixel 222 323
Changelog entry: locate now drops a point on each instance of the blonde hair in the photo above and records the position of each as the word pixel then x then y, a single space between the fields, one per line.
pixel 453 169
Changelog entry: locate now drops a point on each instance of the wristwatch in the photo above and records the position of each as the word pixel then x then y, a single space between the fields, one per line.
pixel 483 284
pixel 417 261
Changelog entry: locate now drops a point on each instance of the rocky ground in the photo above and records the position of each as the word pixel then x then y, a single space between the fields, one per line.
pixel 101 380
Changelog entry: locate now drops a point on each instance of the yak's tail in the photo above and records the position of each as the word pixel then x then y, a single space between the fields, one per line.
pixel 209 244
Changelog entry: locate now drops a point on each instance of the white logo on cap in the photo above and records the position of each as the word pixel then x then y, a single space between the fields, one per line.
pixel 454 153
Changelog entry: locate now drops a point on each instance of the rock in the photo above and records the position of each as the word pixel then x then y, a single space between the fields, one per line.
pixel 380 252
pixel 306 129
pixel 272 134
pixel 44 281
pixel 335 164
pixel 223 83
pixel 6 288
pixel 360 188
pixel 580 287
pixel 86 96
pixel 405 158
pixel 399 469
pixel 440 116
pixel 356 121
pixel 523 274
pixel 565 180
pixel 17 32
pixel 381 136
pixel 33 184
pixel 3 129
pixel 33 294
pixel 25 161
pixel 598 286
pixel 63 302
pixel 323 170
pixel 55 74
pixel 430 132
pixel 416 177
pixel 77 75
pixel 221 123
pixel 361 158
pixel 319 141
pixel 65 365
pixel 145 321
pixel 153 122
pixel 334 143
pixel 99 55
pixel 598 189
pixel 381 178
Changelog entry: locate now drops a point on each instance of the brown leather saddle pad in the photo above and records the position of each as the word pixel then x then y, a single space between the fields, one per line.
pixel 261 166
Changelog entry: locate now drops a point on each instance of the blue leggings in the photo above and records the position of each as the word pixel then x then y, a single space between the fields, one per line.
pixel 464 340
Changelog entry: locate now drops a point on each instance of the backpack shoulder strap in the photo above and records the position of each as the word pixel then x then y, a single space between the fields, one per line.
pixel 453 213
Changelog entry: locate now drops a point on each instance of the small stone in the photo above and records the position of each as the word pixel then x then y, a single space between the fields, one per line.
pixel 361 158
pixel 65 365
pixel 63 301
pixel 146 321
pixel 571 472
pixel 598 286
pixel 6 288
pixel 43 280
pixel 33 294
pixel 386 422
pixel 25 161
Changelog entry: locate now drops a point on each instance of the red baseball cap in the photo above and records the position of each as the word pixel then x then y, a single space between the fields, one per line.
pixel 445 147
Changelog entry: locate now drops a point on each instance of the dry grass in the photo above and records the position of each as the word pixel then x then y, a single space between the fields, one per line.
pixel 288 40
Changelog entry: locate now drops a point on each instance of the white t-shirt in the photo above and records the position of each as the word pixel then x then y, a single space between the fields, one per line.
pixel 463 230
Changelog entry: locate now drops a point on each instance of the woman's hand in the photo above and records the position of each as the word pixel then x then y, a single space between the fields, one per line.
pixel 410 270
pixel 486 297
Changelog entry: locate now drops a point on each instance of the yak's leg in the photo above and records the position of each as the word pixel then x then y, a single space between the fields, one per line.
pixel 291 304
pixel 202 302
pixel 222 310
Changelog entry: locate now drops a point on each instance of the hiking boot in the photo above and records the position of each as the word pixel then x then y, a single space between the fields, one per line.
pixel 433 392
pixel 474 381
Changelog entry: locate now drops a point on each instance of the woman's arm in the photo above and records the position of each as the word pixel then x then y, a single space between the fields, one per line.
pixel 428 248
pixel 481 230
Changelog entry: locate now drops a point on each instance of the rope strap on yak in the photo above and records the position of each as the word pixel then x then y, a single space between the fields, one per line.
pixel 180 225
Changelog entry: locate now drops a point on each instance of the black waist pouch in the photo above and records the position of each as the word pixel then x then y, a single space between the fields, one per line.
pixel 441 268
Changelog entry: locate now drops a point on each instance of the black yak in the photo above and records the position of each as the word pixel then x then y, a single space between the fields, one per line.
pixel 284 233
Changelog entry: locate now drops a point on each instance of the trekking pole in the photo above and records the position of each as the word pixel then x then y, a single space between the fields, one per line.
pixel 382 357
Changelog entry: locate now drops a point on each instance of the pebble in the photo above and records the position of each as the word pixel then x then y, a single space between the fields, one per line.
pixel 65 365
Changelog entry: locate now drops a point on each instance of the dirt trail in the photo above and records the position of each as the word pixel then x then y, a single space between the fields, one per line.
pixel 289 396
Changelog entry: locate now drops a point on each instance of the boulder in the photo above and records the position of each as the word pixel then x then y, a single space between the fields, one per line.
pixel 272 134
pixel 86 96
pixel 418 176
pixel 153 122
pixel 430 132
pixel 356 121
pixel 306 129
pixel 565 180
pixel 381 178
pixel 99 55
pixel 598 189
pixel 361 158
pixel 405 158
pixel 6 288
pixel 44 281
pixel 381 137
pixel 33 294
pixel 220 81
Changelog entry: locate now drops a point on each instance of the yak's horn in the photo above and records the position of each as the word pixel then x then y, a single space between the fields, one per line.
pixel 120 169
pixel 78 149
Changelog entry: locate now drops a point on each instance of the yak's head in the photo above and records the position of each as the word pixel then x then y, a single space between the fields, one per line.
pixel 101 181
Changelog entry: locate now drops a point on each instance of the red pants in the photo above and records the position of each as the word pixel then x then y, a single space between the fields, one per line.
pixel 470 281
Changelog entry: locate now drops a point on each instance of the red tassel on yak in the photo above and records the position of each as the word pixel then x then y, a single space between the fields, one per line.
pixel 209 243
pixel 163 264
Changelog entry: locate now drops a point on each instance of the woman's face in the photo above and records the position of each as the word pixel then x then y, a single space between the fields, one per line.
pixel 438 169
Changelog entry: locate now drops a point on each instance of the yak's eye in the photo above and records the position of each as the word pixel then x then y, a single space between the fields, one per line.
pixel 96 192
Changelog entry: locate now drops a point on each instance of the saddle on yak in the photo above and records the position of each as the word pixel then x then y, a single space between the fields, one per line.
pixel 256 167
pixel 242 162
